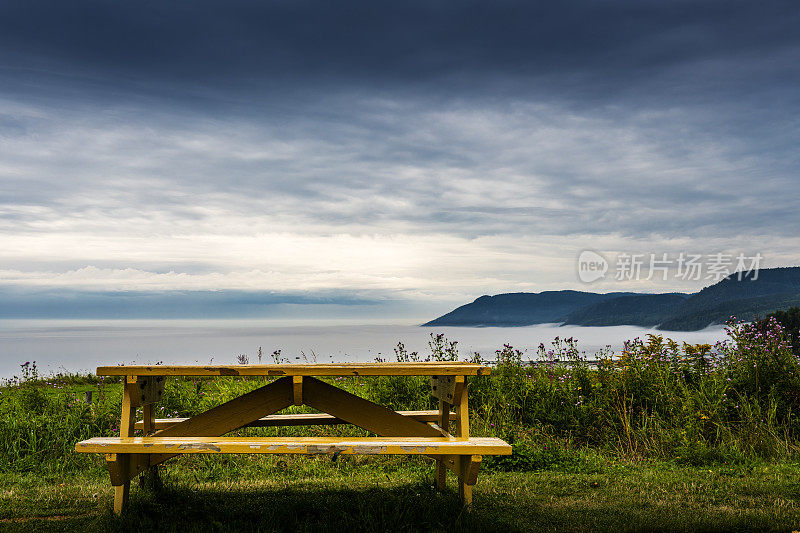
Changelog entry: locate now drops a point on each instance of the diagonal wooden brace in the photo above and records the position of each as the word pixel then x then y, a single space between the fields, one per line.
pixel 215 422
pixel 362 413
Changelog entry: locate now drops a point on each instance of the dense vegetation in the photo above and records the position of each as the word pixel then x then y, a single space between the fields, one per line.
pixel 732 402
pixel 724 408
pixel 790 322
pixel 635 310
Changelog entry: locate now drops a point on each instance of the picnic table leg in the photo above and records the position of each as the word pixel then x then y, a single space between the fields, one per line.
pixel 465 478
pixel 468 466
pixel 127 420
pixel 148 420
pixel 444 423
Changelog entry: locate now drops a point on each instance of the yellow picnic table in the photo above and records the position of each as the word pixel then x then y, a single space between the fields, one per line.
pixel 399 432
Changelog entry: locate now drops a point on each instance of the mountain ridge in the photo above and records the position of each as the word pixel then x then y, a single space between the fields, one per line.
pixel 519 308
pixel 747 296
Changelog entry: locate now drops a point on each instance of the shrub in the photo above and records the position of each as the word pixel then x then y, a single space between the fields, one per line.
pixel 732 402
pixel 762 369
pixel 790 322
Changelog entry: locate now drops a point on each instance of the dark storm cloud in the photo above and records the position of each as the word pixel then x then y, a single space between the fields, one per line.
pixel 584 47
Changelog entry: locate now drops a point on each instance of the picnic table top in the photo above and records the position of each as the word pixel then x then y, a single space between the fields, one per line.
pixel 443 368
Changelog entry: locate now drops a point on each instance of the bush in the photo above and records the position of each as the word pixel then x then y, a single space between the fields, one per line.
pixel 762 370
pixel 696 404
pixel 789 321
pixel 693 403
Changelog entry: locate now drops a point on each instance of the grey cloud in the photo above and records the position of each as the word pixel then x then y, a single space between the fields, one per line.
pixel 422 168
pixel 637 119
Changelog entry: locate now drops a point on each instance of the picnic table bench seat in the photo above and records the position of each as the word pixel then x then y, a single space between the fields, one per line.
pixel 424 432
pixel 300 445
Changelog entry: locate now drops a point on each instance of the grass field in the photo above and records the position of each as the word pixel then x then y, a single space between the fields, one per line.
pixel 658 438
pixel 389 494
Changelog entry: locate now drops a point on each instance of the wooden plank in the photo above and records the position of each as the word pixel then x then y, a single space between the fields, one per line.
pixel 443 387
pixel 149 389
pixel 454 368
pixel 461 382
pixel 297 445
pixel 362 413
pixel 470 468
pixel 119 465
pixel 297 389
pixel 148 420
pixel 148 428
pixel 441 464
pixel 447 388
pixel 305 419
pixel 463 463
pixel 462 415
pixel 468 471
pixel 450 462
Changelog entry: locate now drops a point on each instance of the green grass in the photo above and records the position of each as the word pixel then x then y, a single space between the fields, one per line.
pixel 660 437
pixel 391 494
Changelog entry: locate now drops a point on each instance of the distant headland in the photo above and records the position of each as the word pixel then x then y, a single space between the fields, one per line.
pixel 755 295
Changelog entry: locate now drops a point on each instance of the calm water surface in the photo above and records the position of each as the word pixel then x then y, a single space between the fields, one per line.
pixel 82 345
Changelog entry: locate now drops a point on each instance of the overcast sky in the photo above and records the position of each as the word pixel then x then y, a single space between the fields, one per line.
pixel 403 156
